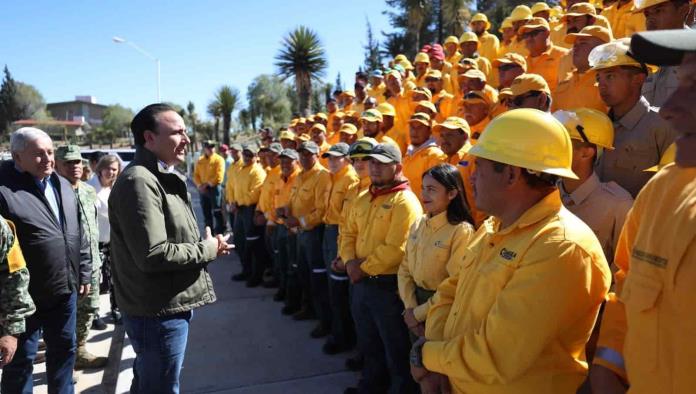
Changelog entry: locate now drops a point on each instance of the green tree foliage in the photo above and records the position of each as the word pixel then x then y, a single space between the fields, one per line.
pixel 226 102
pixel 269 103
pixel 302 58
pixel 373 56
pixel 9 108
pixel 30 102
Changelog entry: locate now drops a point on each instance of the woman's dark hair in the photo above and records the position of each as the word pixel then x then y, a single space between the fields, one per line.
pixel 146 119
pixel 448 176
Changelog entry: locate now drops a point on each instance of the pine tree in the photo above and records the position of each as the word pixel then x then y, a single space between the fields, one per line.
pixel 339 84
pixel 9 108
pixel 373 57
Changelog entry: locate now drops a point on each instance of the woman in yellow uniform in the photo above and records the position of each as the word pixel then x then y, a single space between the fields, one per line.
pixel 446 225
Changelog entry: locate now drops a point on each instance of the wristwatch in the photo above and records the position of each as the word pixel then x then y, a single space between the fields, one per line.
pixel 416 354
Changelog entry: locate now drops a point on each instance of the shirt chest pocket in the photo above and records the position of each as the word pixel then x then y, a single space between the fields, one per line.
pixel 641 296
pixel 305 193
pixel 637 156
pixel 493 276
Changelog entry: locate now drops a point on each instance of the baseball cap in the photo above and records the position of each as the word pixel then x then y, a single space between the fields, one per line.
pixel 474 74
pixel 68 153
pixel 386 109
pixel 224 148
pixel 663 47
pixel 453 123
pixel 236 146
pixel 534 24
pixel 511 58
pixel 275 147
pixel 309 146
pixel 209 144
pixel 386 153
pixel 348 128
pixel 287 135
pixel 362 147
pixel 432 73
pixel 338 150
pixel 289 153
pixel 253 148
pixel 476 96
pixel 599 32
pixel 427 104
pixel 420 117
pixel 527 83
pixel 372 115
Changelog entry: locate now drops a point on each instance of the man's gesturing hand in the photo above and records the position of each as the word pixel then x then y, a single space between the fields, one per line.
pixel 223 247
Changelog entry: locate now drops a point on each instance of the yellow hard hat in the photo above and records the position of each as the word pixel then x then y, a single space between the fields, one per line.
pixel 406 65
pixel 539 7
pixel 452 40
pixel 588 125
pixel 422 57
pixel 667 158
pixel 520 13
pixel 640 5
pixel 613 54
pixel 530 139
pixel 507 24
pixel 481 18
pixel 468 36
pixel 386 109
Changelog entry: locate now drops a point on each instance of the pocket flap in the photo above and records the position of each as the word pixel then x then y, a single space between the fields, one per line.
pixel 641 292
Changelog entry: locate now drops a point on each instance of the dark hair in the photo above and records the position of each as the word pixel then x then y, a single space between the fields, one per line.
pixel 448 176
pixel 146 119
pixel 96 156
pixel 535 181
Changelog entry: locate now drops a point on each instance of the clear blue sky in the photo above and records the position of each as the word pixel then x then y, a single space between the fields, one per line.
pixel 64 48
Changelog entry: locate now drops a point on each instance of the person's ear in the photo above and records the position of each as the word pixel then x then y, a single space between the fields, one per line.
pixel 512 175
pixel 148 135
pixel 452 194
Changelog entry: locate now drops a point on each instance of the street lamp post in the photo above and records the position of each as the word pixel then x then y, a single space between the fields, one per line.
pixel 119 40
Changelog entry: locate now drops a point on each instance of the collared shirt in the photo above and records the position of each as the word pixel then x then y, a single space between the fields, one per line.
pixel 247 182
pixel 265 204
pixel 341 182
pixel 547 65
pixel 488 45
pixel 659 86
pixel 51 194
pixel 431 241
pixel 444 102
pixel 589 202
pixel 640 138
pixel 420 159
pixel 232 171
pixel 648 331
pixel 622 20
pixel 209 170
pixel 578 91
pixel 308 198
pixel 517 314
pixel 402 106
pixel 323 148
pixel 377 92
pixel 282 193
pixel 377 228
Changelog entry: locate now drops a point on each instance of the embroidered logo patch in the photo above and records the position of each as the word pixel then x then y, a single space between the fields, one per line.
pixel 507 254
pixel 649 258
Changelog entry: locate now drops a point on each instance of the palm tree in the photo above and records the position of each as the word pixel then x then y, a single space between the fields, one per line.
pixel 214 111
pixel 226 100
pixel 302 58
pixel 192 118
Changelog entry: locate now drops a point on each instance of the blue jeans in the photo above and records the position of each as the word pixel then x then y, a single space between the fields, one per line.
pixel 159 344
pixel 58 325
pixel 211 202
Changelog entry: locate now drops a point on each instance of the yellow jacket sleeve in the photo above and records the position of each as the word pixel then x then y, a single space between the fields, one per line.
pixel 217 170
pixel 229 186
pixel 349 235
pixel 197 173
pixel 321 191
pixel 461 239
pixel 391 252
pixel 613 331
pixel 258 175
pixel 407 286
pixel 439 310
pixel 526 314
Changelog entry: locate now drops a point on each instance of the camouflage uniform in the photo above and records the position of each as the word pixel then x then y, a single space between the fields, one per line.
pixel 15 302
pixel 88 306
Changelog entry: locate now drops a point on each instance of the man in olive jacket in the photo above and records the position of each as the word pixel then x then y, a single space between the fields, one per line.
pixel 159 258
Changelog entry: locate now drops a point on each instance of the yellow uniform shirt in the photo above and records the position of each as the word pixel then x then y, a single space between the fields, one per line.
pixel 516 316
pixel 352 194
pixel 466 164
pixel 622 20
pixel 444 102
pixel 578 91
pixel 333 138
pixel 265 204
pixel 651 324
pixel 323 149
pixel 396 135
pixel 282 192
pixel 420 159
pixel 547 65
pixel 558 34
pixel 308 197
pixel 518 46
pixel 377 228
pixel 402 106
pixel 341 182
pixel 209 170
pixel 377 92
pixel 589 202
pixel 660 85
pixel 427 262
pixel 232 171
pixel 489 45
pixel 247 184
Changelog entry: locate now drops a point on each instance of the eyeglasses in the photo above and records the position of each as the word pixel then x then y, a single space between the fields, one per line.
pixel 519 100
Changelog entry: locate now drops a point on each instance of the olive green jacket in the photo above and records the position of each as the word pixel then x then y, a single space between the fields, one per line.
pixel 159 260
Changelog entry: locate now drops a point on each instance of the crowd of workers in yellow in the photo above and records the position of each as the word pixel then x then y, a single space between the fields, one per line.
pixel 459 215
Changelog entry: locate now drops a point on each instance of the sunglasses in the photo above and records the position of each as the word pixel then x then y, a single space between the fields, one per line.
pixel 532 33
pixel 508 67
pixel 519 100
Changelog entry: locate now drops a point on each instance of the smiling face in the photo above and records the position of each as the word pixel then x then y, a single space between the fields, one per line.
pixel 108 174
pixel 170 140
pixel 36 158
pixel 435 196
